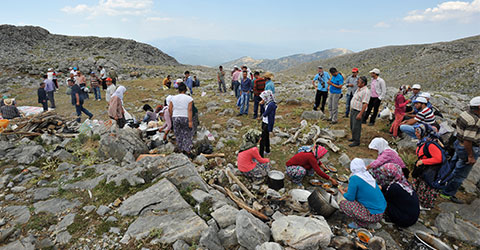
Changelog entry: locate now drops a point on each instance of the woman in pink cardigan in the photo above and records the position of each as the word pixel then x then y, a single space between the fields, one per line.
pixel 249 161
pixel 385 155
pixel 400 107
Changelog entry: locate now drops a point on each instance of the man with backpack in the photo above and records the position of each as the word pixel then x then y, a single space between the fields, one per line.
pixel 466 149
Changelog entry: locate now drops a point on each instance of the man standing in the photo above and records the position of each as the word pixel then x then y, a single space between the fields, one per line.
pixel 42 96
pixel 245 97
pixel 103 76
pixel 77 101
pixel 189 82
pixel 335 83
pixel 322 88
pixel 95 85
pixel 466 149
pixel 236 81
pixel 50 89
pixel 424 116
pixel 359 104
pixel 378 91
pixel 258 88
pixel 351 84
pixel 221 79
pixel 113 75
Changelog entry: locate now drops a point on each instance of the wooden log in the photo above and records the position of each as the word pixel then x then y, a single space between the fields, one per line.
pixel 208 156
pixel 240 203
pixel 240 184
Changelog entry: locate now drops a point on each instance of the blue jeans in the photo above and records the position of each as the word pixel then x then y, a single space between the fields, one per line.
pixel 244 103
pixel 79 109
pixel 347 104
pixel 98 95
pixel 462 169
pixel 236 88
pixel 256 103
pixel 409 130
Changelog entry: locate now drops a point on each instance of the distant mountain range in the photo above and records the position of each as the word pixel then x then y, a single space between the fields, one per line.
pixel 443 66
pixel 285 62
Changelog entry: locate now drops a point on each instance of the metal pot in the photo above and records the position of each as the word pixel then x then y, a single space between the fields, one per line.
pixel 151 131
pixel 276 179
pixel 425 241
pixel 322 202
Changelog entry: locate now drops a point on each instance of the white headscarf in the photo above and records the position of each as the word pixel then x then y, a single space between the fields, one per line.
pixel 168 99
pixel 119 92
pixel 357 166
pixel 379 144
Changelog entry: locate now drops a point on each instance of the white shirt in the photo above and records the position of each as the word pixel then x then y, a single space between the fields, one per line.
pixel 103 73
pixel 110 90
pixel 50 75
pixel 180 105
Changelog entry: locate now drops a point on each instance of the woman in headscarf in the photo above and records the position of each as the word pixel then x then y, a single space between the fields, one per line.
pixel 115 108
pixel 9 110
pixel 385 155
pixel 167 126
pixel 364 201
pixel 403 206
pixel 400 108
pixel 249 161
pixel 181 111
pixel 429 160
pixel 304 163
pixel 268 120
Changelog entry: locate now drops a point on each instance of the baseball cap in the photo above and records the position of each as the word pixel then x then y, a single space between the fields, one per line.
pixel 108 79
pixel 421 100
pixel 416 86
pixel 475 102
pixel 50 69
pixel 354 70
pixel 320 67
pixel 426 95
pixel 375 70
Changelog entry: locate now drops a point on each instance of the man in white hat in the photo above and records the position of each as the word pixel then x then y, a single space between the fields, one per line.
pixel 466 149
pixel 378 90
pixel 416 88
pixel 425 115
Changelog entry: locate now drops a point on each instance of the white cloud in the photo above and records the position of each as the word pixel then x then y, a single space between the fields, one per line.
pixel 158 19
pixel 452 10
pixel 382 25
pixel 112 8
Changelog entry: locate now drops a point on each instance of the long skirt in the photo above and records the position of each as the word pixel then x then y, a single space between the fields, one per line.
pixel 396 124
pixel 359 213
pixel 183 134
pixel 259 171
pixel 426 194
pixel 296 173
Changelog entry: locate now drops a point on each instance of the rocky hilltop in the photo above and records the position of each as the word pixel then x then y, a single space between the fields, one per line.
pixel 451 66
pixel 32 50
pixel 286 62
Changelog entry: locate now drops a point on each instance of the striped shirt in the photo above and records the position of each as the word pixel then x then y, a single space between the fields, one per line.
pixel 426 116
pixel 468 127
pixel 361 96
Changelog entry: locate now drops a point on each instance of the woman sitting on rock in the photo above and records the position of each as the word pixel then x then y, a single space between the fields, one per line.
pixel 181 111
pixel 385 155
pixel 249 161
pixel 150 115
pixel 167 125
pixel 429 161
pixel 403 206
pixel 115 108
pixel 307 162
pixel 364 202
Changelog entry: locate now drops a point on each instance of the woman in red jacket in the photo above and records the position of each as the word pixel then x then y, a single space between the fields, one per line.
pixel 429 159
pixel 400 107
pixel 249 161
pixel 303 162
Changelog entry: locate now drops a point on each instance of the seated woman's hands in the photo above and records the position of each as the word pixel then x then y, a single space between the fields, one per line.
pixel 334 182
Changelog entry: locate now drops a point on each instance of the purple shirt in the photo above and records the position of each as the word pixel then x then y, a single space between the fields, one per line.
pixel 387 156
pixel 49 85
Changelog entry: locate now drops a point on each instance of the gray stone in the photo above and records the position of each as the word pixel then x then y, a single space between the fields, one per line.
pixel 344 159
pixel 85 184
pixel 232 122
pixel 102 210
pixel 407 143
pixel 419 227
pixel 277 215
pixel 45 243
pixel 5 233
pixel 458 228
pixel 111 219
pixel 43 193
pixel 55 205
pixel 88 209
pixel 116 145
pixel 269 246
pixel 292 102
pixel 186 176
pixel 339 133
pixel 200 195
pixel 275 140
pixel 114 230
pixel 63 238
pixel 65 222
pixel 250 231
pixel 228 237
pixel 472 183
pixel 301 232
pixel 180 245
pixel 469 212
pixel 30 154
pixel 50 139
pixel 18 189
pixel 209 239
pixel 20 214
pixel 21 244
pixel 65 166
pixel 201 160
pixel 63 155
pixel 387 238
pixel 180 222
pixel 227 112
pixel 342 242
pixel 378 243
pixel 225 216
pixel 312 115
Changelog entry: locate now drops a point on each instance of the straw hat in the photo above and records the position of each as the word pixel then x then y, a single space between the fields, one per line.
pixel 268 75
pixel 8 101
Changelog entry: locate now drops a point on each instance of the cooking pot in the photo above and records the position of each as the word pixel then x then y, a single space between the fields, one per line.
pixel 276 179
pixel 322 202
pixel 151 131
pixel 422 240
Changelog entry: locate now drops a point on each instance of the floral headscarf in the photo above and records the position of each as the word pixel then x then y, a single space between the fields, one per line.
pixel 391 173
pixel 426 133
pixel 250 139
pixel 267 96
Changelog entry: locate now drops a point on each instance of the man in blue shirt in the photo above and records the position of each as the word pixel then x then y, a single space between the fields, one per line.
pixel 189 81
pixel 335 83
pixel 246 88
pixel 320 82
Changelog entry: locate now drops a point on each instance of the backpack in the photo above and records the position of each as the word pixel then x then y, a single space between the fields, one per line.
pixel 438 177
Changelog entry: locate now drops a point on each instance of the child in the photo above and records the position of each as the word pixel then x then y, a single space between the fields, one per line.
pixel 167 126
pixel 249 161
pixel 268 120
pixel 42 96
pixel 150 115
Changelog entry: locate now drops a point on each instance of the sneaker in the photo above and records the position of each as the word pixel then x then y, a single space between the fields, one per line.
pixel 315 109
pixel 351 139
pixel 371 124
pixel 239 114
pixel 453 199
pixel 266 153
pixel 355 144
pixel 334 122
pixel 353 225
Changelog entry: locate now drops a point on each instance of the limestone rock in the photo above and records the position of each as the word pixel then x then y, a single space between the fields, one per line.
pixel 301 232
pixel 117 145
pixel 269 246
pixel 458 228
pixel 225 216
pixel 251 231
pixel 55 205
pixel 20 214
pixel 209 239
pixel 312 115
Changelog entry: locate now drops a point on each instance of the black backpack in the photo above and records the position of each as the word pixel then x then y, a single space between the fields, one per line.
pixel 436 176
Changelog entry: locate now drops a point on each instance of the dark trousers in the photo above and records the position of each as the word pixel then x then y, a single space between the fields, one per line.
pixel 104 84
pixel 236 88
pixel 256 103
pixel 79 109
pixel 355 125
pixel 45 105
pixel 51 98
pixel 321 96
pixel 347 104
pixel 265 141
pixel 221 84
pixel 461 170
pixel 374 104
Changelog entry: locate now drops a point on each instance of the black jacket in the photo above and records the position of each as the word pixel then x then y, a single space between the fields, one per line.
pixel 42 95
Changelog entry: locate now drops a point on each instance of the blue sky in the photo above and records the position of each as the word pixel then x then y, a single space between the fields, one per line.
pixel 303 26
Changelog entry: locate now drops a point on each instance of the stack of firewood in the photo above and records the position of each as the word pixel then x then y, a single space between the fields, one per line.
pixel 38 124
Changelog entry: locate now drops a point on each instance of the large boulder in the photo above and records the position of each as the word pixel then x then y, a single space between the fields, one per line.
pixel 312 115
pixel 116 145
pixel 30 154
pixel 472 183
pixel 458 228
pixel 225 216
pixel 251 232
pixel 55 205
pixel 302 232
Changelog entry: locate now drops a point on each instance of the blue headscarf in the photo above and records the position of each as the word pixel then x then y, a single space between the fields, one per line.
pixel 427 133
